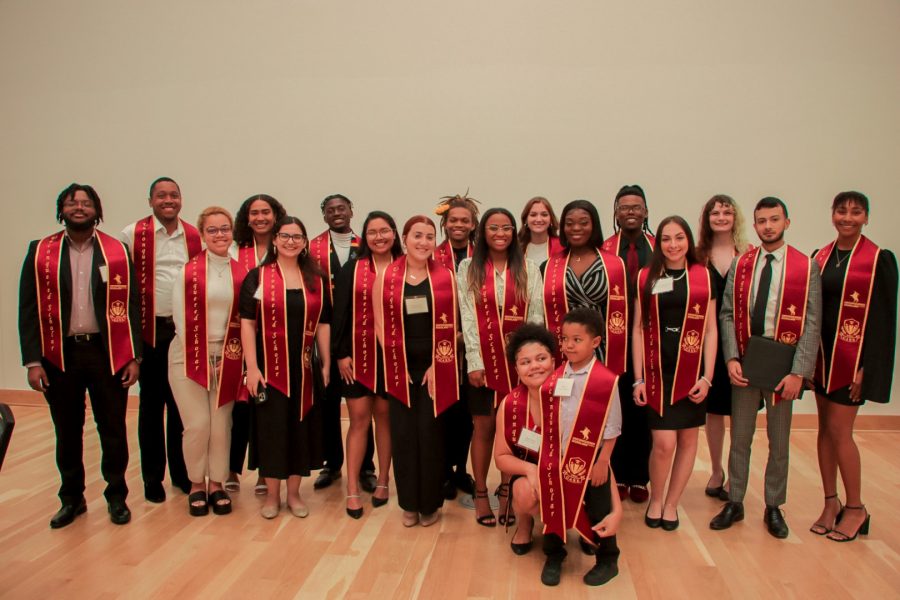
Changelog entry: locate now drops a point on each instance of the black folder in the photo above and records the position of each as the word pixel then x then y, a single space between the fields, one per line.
pixel 766 362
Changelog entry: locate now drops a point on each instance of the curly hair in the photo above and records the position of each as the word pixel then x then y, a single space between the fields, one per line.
pixel 705 236
pixel 242 232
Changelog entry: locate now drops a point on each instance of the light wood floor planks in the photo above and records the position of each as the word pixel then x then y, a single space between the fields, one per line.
pixel 164 553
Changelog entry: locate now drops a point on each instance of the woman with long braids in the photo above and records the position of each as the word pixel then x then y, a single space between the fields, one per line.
pixel 675 339
pixel 498 291
pixel 253 227
pixel 359 356
pixel 720 241
pixel 285 315
pixel 539 236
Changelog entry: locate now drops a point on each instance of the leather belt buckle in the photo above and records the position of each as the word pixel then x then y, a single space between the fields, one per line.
pixel 84 337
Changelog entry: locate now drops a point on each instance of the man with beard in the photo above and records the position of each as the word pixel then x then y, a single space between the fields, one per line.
pixel 633 243
pixel 160 245
pixel 773 292
pixel 331 250
pixel 78 317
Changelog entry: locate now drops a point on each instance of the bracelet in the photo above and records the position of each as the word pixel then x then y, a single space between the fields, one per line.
pixel 638 382
pixel 702 378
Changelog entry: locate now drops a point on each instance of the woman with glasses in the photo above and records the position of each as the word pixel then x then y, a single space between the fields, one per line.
pixel 205 366
pixel 359 356
pixel 285 316
pixel 498 291
pixel 253 227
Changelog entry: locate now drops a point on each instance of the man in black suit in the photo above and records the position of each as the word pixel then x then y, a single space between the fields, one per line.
pixel 79 330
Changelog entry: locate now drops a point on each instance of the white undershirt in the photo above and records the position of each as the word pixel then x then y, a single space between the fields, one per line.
pixel 341 243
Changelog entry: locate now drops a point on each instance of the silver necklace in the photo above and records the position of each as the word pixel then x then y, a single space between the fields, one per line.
pixel 680 277
pixel 840 261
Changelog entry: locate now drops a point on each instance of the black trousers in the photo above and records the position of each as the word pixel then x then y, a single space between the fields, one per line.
pixel 240 436
pixel 333 437
pixel 87 370
pixel 156 439
pixel 630 459
pixel 417 448
pixel 598 504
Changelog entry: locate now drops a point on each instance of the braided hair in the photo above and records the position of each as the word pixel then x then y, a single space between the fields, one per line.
pixel 458 201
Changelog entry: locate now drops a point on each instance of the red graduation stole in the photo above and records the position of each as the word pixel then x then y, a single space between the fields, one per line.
pixel 791 304
pixel 516 417
pixel 556 305
pixel 442 284
pixel 320 249
pixel 118 285
pixel 196 329
pixel 563 481
pixel 611 244
pixel 852 318
pixel 247 255
pixel 690 345
pixel 143 253
pixel 365 364
pixel 495 327
pixel 444 254
pixel 276 347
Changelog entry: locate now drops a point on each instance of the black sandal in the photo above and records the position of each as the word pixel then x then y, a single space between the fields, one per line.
pixel 840 536
pixel 506 519
pixel 221 502
pixel 198 506
pixel 822 529
pixel 488 520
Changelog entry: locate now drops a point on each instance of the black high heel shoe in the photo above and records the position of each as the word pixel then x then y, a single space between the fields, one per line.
pixel 376 501
pixel 651 522
pixel 715 491
pixel 822 529
pixel 506 519
pixel 488 520
pixel 863 528
pixel 521 549
pixel 355 513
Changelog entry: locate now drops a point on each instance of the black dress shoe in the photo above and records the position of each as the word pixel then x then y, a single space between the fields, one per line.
pixel 730 514
pixel 368 481
pixel 775 522
pixel 326 477
pixel 601 573
pixel 67 513
pixel 552 569
pixel 449 490
pixel 651 522
pixel 118 512
pixel 154 492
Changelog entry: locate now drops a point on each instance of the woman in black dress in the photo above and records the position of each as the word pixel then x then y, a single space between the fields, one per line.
pixel 856 358
pixel 720 240
pixel 675 339
pixel 284 316
pixel 416 323
pixel 358 354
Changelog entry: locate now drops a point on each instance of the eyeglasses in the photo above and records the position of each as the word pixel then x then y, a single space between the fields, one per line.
pixel 292 237
pixel 214 231
pixel 503 228
pixel 630 208
pixel 376 233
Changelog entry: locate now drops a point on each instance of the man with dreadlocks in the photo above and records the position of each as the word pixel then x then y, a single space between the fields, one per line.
pixel 633 242
pixel 459 220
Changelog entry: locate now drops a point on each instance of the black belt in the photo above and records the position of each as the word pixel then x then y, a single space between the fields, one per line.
pixel 84 338
pixel 165 320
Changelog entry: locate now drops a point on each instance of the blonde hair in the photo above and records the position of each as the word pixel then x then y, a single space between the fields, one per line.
pixel 210 211
pixel 704 239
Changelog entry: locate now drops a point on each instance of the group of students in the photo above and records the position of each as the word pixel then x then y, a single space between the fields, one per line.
pixel 584 365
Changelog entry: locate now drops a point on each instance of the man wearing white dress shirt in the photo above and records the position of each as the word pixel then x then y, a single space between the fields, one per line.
pixel 160 245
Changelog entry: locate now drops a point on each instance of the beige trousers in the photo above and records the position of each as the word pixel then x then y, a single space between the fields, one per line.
pixel 207 429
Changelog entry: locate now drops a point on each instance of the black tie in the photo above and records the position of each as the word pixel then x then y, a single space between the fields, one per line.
pixel 758 317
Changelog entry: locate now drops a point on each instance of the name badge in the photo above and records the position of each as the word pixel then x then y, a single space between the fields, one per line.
pixel 530 440
pixel 563 387
pixel 258 294
pixel 104 273
pixel 663 285
pixel 416 305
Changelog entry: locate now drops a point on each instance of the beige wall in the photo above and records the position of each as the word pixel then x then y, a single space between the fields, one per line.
pixel 398 103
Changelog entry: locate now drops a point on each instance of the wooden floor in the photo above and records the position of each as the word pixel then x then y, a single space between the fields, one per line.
pixel 164 553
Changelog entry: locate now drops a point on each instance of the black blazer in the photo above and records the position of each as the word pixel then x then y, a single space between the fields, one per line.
pixel 29 324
